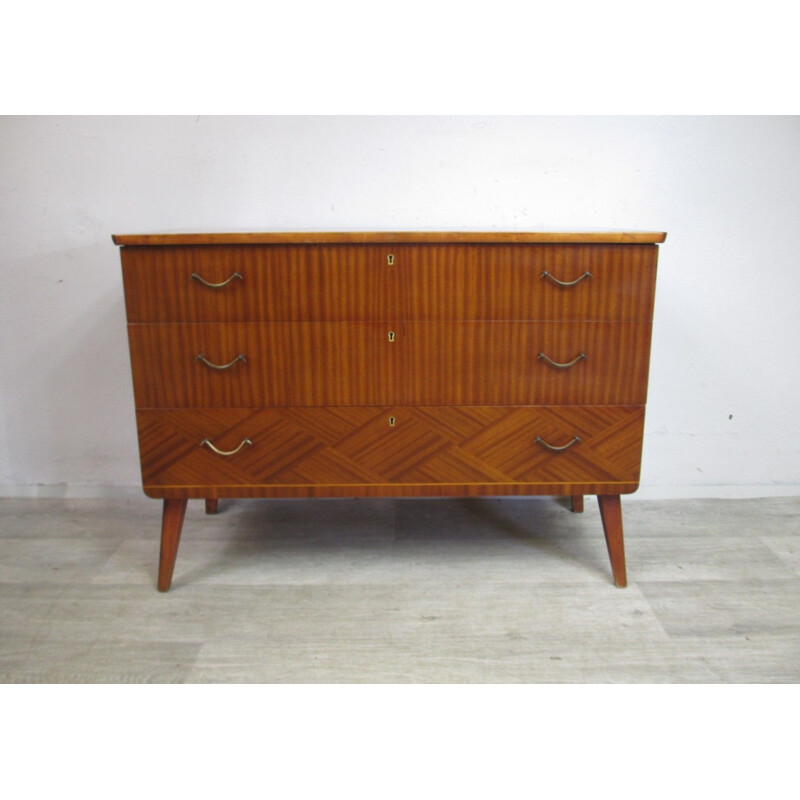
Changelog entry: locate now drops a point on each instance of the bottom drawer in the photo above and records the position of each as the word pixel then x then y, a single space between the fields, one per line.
pixel 352 450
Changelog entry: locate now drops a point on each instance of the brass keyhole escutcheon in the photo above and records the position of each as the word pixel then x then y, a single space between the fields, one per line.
pixel 391 422
pixel 390 259
pixel 391 336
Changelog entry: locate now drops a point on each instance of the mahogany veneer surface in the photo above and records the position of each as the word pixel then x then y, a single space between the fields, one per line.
pixel 343 363
pixel 354 445
pixel 397 364
pixel 346 282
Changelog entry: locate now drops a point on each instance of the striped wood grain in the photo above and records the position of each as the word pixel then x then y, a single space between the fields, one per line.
pixel 504 282
pixel 349 282
pixel 278 283
pixel 300 363
pixel 458 402
pixel 498 363
pixel 344 363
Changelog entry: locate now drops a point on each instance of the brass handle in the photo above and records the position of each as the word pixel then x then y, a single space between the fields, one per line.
pixel 216 285
pixel 208 443
pixel 554 448
pixel 204 360
pixel 556 281
pixel 562 366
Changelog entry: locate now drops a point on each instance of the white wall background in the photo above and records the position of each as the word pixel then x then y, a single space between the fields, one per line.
pixel 723 403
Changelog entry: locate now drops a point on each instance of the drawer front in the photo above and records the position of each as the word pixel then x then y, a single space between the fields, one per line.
pixel 524 363
pixel 262 364
pixel 358 282
pixel 356 446
pixel 278 282
pixel 526 282
pixel 340 363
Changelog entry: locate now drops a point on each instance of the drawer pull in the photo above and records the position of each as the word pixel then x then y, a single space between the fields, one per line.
pixel 216 285
pixel 200 357
pixel 562 366
pixel 208 443
pixel 554 448
pixel 557 282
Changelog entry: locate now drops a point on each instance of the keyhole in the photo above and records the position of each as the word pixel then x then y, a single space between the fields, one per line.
pixel 390 259
pixel 391 422
pixel 391 336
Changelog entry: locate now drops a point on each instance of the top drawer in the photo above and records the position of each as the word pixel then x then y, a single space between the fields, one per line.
pixel 275 283
pixel 254 283
pixel 527 282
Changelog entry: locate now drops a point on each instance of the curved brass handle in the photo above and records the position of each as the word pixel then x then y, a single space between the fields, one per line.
pixel 216 285
pixel 557 282
pixel 200 357
pixel 562 366
pixel 554 448
pixel 208 443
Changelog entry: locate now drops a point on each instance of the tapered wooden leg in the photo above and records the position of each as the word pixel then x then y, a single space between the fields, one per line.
pixel 171 525
pixel 611 513
pixel 211 505
pixel 576 503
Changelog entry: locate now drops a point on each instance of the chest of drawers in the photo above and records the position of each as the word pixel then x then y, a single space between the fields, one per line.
pixel 389 364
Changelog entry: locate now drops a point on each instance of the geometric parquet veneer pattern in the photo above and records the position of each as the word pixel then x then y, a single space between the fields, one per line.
pixel 391 445
pixel 389 364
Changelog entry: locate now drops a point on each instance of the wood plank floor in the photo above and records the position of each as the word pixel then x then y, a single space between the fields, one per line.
pixel 511 590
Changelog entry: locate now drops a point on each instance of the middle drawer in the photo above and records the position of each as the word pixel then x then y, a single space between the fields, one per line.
pixel 184 365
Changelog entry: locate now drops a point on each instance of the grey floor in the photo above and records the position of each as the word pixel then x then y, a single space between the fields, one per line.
pixel 513 590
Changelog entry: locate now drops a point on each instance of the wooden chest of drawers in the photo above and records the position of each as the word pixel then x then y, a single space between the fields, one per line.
pixel 389 364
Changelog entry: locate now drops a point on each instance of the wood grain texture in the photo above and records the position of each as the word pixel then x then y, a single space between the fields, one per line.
pixel 355 283
pixel 368 237
pixel 498 363
pixel 301 363
pixel 505 282
pixel 399 490
pixel 278 283
pixel 173 514
pixel 489 590
pixel 390 364
pixel 611 514
pixel 389 447
pixel 343 363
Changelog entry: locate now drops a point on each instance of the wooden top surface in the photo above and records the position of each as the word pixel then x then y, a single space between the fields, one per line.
pixel 398 237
